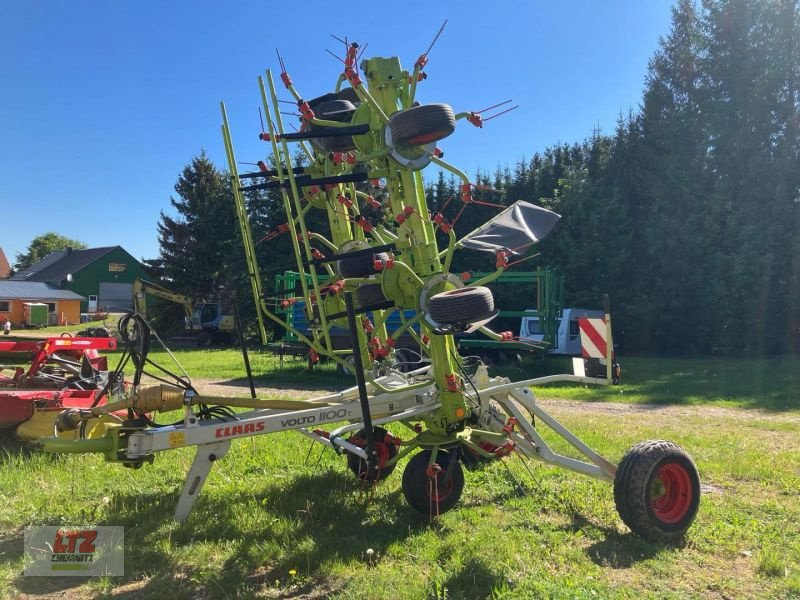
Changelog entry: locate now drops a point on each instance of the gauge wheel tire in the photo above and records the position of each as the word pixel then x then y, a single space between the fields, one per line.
pixel 361 265
pixel 424 124
pixel 384 451
pixel 421 491
pixel 369 295
pixel 463 305
pixel 657 490
pixel 334 110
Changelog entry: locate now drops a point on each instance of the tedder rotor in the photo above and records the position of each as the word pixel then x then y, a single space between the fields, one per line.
pixel 364 145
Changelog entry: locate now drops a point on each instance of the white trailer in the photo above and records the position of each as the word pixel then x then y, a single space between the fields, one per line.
pixel 568 338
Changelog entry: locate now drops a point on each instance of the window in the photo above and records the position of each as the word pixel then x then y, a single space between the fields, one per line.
pixel 51 307
pixel 535 327
pixel 5 306
pixel 573 329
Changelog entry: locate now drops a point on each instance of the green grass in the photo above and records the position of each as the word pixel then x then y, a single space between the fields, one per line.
pixel 275 521
pixel 768 383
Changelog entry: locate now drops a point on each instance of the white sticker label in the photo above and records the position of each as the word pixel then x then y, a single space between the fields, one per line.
pixel 74 551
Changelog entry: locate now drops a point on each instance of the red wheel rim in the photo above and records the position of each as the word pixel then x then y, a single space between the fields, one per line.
pixel 382 450
pixel 671 493
pixel 426 138
pixel 443 490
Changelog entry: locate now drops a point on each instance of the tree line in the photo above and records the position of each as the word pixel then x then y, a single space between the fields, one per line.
pixel 688 215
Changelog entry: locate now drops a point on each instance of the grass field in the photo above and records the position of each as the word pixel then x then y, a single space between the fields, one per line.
pixel 280 519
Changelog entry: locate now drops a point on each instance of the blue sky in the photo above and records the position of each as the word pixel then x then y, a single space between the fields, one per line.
pixel 103 103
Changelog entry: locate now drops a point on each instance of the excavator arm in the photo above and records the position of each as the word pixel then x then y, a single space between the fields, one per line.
pixel 142 287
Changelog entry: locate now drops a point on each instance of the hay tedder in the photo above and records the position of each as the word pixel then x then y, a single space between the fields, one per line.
pixel 364 145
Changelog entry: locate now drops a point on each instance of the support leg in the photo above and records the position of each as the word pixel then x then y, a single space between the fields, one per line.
pixel 206 455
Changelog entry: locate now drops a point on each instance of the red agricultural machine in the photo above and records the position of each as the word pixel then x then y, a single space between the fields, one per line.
pixel 64 373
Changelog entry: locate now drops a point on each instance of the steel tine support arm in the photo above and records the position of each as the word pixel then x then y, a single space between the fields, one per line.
pixel 304 232
pixel 244 225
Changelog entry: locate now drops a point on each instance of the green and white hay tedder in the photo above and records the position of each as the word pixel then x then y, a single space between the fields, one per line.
pixel 365 144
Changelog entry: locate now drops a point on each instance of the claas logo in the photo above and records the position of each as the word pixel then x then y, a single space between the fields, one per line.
pixel 74 546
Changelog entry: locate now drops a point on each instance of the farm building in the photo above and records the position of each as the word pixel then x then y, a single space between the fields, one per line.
pixel 103 276
pixel 19 299
pixel 5 268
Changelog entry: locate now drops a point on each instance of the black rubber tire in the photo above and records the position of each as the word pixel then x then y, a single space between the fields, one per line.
pixel 420 125
pixel 334 110
pixel 203 339
pixel 369 295
pixel 406 360
pixel 416 480
pixel 463 305
pixel 359 266
pixel 385 452
pixel 657 490
pixel 231 338
pixel 349 94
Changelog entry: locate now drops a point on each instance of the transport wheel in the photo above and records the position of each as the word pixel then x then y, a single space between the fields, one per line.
pixel 385 451
pixel 359 266
pixel 369 295
pixel 657 490
pixel 334 110
pixel 463 305
pixel 422 124
pixel 422 489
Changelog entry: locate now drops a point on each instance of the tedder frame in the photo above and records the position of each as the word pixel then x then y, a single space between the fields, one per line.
pixel 364 147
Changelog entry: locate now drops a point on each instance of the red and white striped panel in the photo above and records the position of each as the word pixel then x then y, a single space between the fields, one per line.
pixel 594 343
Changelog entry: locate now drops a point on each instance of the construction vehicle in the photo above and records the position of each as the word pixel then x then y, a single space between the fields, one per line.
pixel 204 322
pixel 381 256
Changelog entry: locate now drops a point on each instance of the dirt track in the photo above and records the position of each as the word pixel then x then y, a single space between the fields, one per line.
pixel 558 405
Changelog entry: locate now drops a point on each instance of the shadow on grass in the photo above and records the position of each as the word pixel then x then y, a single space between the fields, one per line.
pixel 11 447
pixel 769 383
pixel 621 551
pixel 329 520
pixel 615 550
pixel 304 524
pixel 474 580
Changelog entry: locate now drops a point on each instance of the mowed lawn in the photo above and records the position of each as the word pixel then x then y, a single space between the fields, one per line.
pixel 281 518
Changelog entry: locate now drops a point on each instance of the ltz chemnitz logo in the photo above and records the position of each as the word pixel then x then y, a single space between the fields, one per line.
pixel 60 551
pixel 74 549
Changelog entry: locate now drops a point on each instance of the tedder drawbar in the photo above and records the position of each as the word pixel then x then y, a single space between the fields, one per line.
pixel 363 147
